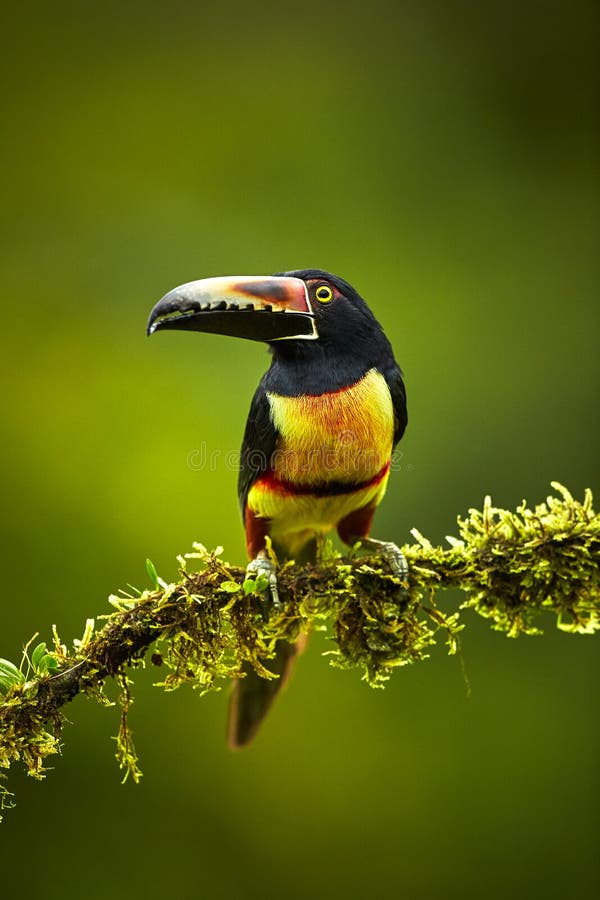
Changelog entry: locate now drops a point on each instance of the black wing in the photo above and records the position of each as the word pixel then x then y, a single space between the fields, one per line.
pixel 393 377
pixel 260 439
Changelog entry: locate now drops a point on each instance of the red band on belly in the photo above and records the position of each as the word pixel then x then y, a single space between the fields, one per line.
pixel 270 482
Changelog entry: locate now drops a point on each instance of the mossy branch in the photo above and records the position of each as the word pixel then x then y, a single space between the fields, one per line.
pixel 511 566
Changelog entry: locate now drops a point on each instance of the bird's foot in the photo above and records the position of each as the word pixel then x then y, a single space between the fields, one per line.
pixel 264 566
pixel 391 553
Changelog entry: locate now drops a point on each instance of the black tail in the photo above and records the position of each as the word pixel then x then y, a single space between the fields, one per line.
pixel 252 696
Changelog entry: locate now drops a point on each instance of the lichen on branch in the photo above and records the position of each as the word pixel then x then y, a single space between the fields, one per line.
pixel 511 566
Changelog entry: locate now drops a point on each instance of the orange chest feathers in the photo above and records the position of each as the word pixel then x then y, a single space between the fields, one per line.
pixel 343 436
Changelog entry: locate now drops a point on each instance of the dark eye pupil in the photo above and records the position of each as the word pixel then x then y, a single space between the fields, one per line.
pixel 323 292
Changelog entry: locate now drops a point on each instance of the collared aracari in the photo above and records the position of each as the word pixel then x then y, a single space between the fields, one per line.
pixel 322 426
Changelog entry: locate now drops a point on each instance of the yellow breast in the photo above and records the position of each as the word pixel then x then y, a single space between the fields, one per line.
pixel 341 436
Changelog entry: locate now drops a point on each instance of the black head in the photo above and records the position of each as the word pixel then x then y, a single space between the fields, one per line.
pixel 342 318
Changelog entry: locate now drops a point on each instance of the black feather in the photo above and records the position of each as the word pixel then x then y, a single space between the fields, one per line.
pixel 258 445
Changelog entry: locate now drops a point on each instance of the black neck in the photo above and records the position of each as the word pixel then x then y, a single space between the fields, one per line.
pixel 313 367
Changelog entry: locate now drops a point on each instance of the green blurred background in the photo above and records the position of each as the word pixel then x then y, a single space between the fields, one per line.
pixel 441 157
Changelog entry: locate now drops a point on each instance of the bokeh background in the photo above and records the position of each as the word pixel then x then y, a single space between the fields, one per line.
pixel 443 158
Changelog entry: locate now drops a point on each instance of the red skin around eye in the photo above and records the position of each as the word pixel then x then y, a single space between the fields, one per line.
pixel 313 281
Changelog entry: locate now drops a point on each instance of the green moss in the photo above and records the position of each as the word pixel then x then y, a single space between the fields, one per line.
pixel 513 568
pixel 126 755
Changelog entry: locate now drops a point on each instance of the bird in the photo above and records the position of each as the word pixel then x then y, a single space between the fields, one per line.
pixel 318 442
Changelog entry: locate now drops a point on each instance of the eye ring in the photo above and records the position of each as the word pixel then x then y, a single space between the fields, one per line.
pixel 324 294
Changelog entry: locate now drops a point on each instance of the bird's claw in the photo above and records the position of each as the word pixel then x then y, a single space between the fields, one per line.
pixel 262 565
pixel 392 554
pixel 396 558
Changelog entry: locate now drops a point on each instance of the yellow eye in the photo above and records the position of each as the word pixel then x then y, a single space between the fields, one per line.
pixel 324 294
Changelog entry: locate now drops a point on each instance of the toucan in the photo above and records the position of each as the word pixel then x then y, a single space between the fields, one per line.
pixel 321 430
